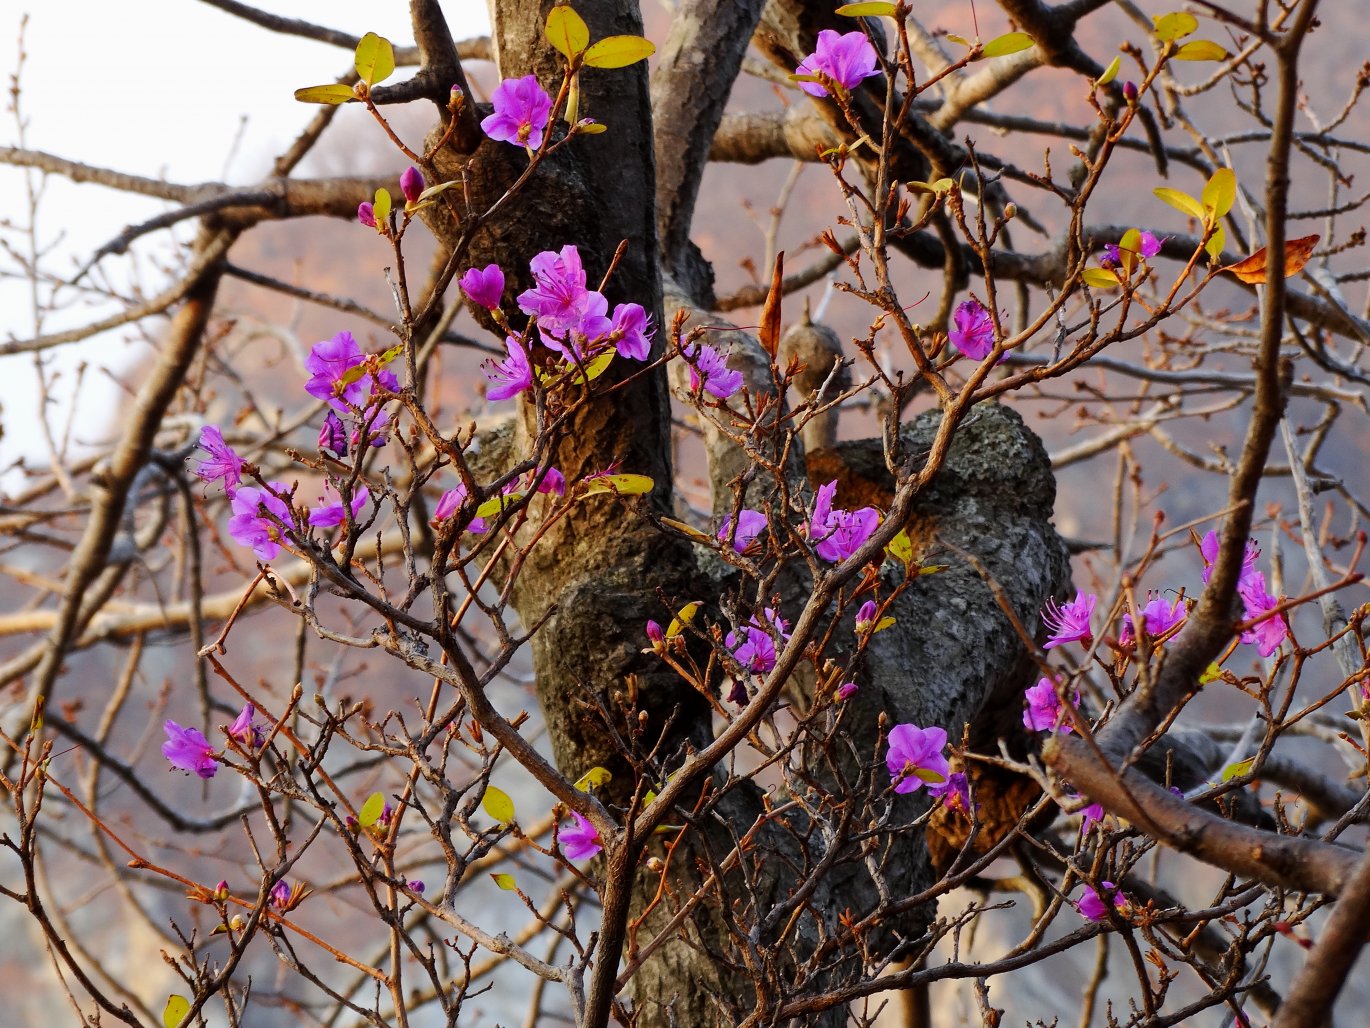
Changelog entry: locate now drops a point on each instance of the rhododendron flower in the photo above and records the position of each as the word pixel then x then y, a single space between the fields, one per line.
pixel 1208 549
pixel 280 894
pixel 631 331
pixel 510 376
pixel 521 111
pixel 223 463
pixel 331 512
pixel 754 647
pixel 1045 712
pixel 559 299
pixel 333 436
pixel 484 286
pixel 954 792
pixel 450 502
pixel 847 690
pixel 710 367
pixel 865 617
pixel 329 361
pixel 837 534
pixel 972 330
pixel 188 750
pixel 846 58
pixel 376 421
pixel 259 518
pixel 242 729
pixel 750 524
pixel 915 757
pixel 415 885
pixel 411 184
pixel 1069 622
pixel 1266 634
pixel 1095 907
pixel 1091 816
pixel 1148 247
pixel 1158 618
pixel 655 635
pixel 553 481
pixel 366 214
pixel 579 841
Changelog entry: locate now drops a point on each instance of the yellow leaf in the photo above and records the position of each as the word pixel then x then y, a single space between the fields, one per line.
pixel 683 617
pixel 505 882
pixel 882 624
pixel 495 504
pixel 901 547
pixel 1201 50
pixel 1110 73
pixel 334 93
pixel 925 775
pixel 866 10
pixel 1212 674
pixel 599 365
pixel 1240 768
pixel 1182 202
pixel 591 128
pixel 688 530
pixel 380 208
pixel 1101 278
pixel 375 59
pixel 957 39
pixel 371 810
pixel 1220 192
pixel 566 31
pixel 498 805
pixel 1128 249
pixel 433 191
pixel 1215 244
pixel 932 569
pixel 619 52
pixel 175 1010
pixel 1253 270
pixel 1008 43
pixel 624 485
pixel 1169 27
pixel 593 779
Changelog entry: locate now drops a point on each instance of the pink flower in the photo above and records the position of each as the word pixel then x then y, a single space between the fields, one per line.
pixel 329 361
pixel 450 502
pixel 655 635
pixel 865 617
pixel 559 298
pixel 188 750
pixel 223 463
pixel 579 841
pixel 1095 907
pixel 411 184
pixel 915 757
pixel 837 534
pixel 847 59
pixel 1266 634
pixel 259 519
pixel 484 286
pixel 331 512
pixel 332 435
pixel 1158 618
pixel 280 894
pixel 510 376
pixel 521 111
pixel 366 214
pixel 1208 549
pixel 750 524
pixel 710 367
pixel 954 792
pixel 754 646
pixel 1045 712
pixel 1148 247
pixel 242 729
pixel 632 331
pixel 552 482
pixel 1069 622
pixel 972 330
pixel 847 690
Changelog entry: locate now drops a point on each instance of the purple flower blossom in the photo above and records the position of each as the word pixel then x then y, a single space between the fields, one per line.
pixel 750 524
pixel 632 331
pixel 915 757
pixel 847 690
pixel 1209 548
pixel 1095 907
pixel 243 730
pixel 753 647
pixel 450 502
pixel 1158 618
pixel 559 299
pixel 188 750
pixel 846 58
pixel 333 436
pixel 552 482
pixel 1148 246
pixel 280 894
pixel 865 617
pixel 366 214
pixel 329 361
pixel 1269 633
pixel 1045 712
pixel 331 512
pixel 222 463
pixel 1069 622
pixel 954 792
pixel 1130 91
pixel 521 111
pixel 415 885
pixel 1091 816
pixel 972 330
pixel 837 534
pixel 655 635
pixel 484 286
pixel 510 376
pixel 579 841
pixel 411 184
pixel 259 518
pixel 710 367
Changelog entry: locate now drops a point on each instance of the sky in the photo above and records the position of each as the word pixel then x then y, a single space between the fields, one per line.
pixel 155 88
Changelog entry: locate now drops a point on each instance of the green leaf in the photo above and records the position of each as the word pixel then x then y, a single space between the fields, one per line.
pixel 371 810
pixel 1220 192
pixel 619 52
pixel 1201 50
pixel 1008 43
pixel 498 805
pixel 1241 767
pixel 375 59
pixel 958 39
pixel 593 779
pixel 1110 73
pixel 1101 278
pixel 566 31
pixel 175 1010
pixel 901 547
pixel 1170 27
pixel 334 93
pixel 505 882
pixel 1182 202
pixel 624 485
pixel 1216 242
pixel 866 10
pixel 495 504
pixel 597 366
pixel 433 191
pixel 376 361
pixel 380 207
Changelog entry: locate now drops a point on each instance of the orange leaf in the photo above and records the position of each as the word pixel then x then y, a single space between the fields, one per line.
pixel 1252 271
pixel 769 332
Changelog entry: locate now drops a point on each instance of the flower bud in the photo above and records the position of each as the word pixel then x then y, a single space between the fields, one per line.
pixel 237 923
pixel 366 214
pixel 1010 211
pixel 656 865
pixel 333 436
pixel 411 184
pixel 221 890
pixel 1130 92
pixel 416 886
